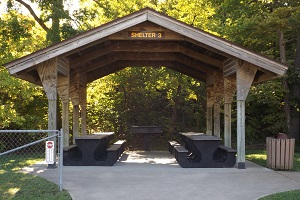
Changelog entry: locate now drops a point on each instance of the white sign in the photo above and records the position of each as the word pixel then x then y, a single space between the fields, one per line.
pixel 50 152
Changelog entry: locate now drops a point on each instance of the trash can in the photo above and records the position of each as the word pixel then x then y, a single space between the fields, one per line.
pixel 280 152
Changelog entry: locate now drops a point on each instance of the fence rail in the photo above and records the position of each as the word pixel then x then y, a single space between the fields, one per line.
pixel 23 165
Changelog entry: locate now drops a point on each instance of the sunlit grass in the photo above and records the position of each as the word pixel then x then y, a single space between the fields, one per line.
pixel 260 157
pixel 257 156
pixel 17 185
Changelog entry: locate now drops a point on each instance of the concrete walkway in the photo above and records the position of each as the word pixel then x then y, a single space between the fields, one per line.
pixel 156 175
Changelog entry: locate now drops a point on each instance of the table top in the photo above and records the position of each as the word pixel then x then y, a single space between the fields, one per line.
pixel 199 136
pixel 95 136
pixel 146 129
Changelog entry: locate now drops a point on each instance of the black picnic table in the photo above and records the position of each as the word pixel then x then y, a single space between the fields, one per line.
pixel 93 146
pixel 203 151
pixel 145 132
pixel 89 150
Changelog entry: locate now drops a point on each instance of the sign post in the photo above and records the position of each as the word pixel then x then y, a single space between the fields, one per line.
pixel 50 152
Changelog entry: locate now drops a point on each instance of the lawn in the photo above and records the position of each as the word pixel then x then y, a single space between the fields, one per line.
pixel 17 185
pixel 259 157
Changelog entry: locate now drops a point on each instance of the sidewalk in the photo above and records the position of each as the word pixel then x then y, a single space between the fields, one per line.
pixel 156 175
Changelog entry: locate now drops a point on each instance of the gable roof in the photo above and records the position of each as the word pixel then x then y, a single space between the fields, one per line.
pixel 108 48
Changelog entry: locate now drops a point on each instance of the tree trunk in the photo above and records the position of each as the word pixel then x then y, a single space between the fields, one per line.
pixel 287 108
pixel 295 120
pixel 53 35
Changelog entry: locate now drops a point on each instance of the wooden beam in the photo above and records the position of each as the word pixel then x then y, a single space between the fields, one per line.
pixel 63 66
pixel 200 57
pixel 244 78
pixel 104 71
pixel 107 60
pixel 88 57
pixel 189 71
pixel 145 63
pixel 229 67
pixel 160 46
pixel 194 64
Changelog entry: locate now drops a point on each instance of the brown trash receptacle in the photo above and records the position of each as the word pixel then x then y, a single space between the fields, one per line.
pixel 280 153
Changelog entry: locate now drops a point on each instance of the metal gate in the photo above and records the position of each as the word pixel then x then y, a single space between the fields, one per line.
pixel 30 160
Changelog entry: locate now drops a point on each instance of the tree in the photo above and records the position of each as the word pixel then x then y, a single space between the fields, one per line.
pixel 246 23
pixel 52 12
pixel 19 109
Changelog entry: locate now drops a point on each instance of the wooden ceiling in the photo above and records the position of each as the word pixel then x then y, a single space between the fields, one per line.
pixel 145 38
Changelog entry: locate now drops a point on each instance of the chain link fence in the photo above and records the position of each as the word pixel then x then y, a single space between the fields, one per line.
pixel 30 163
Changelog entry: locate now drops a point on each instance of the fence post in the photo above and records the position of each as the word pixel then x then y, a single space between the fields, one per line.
pixel 61 144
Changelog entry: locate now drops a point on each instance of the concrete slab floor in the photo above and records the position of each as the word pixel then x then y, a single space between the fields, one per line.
pixel 156 175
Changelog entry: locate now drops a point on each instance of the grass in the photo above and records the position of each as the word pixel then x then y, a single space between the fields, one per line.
pixel 15 185
pixel 259 157
pixel 290 195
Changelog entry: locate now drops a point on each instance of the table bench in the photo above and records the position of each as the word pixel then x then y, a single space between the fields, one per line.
pixel 172 144
pixel 93 150
pixel 72 152
pixel 226 155
pixel 115 151
pixel 202 151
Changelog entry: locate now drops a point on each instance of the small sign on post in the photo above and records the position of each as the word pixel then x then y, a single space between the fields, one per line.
pixel 50 152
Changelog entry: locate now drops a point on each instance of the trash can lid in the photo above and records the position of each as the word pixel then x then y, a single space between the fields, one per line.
pixel 281 136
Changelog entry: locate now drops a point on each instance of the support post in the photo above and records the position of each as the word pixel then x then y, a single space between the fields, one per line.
pixel 218 97
pixel 63 89
pixel 74 95
pixel 217 110
pixel 245 74
pixel 75 121
pixel 209 109
pixel 83 103
pixel 229 91
pixel 48 74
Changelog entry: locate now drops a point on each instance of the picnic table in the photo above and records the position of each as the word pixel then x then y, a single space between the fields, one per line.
pixel 91 150
pixel 202 151
pixel 145 132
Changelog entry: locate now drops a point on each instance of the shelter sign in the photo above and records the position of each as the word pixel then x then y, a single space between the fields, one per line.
pixel 50 152
pixel 146 34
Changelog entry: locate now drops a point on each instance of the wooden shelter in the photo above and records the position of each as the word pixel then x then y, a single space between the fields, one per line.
pixel 148 38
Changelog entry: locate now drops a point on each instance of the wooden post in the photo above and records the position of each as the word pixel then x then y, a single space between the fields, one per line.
pixel 229 91
pixel 78 82
pixel 75 122
pixel 218 96
pixel 63 83
pixel 74 95
pixel 244 78
pixel 48 75
pixel 83 102
pixel 217 110
pixel 209 109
